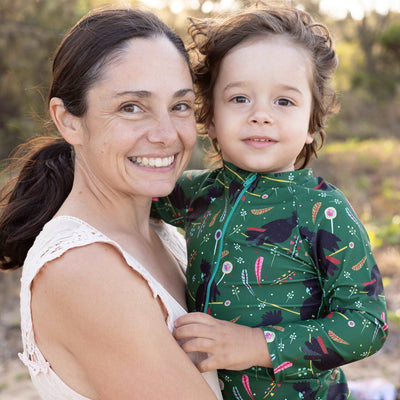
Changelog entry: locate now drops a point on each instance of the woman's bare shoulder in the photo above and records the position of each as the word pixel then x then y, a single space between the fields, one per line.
pixel 91 279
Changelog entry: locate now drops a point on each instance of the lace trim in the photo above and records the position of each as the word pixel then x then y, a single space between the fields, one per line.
pixel 30 357
pixel 35 366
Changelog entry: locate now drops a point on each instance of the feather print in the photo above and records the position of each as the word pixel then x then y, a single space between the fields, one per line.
pixel 235 319
pixel 214 218
pixel 236 393
pixel 260 211
pixel 189 176
pixel 322 345
pixel 224 253
pixel 385 325
pixel 245 280
pixel 359 264
pixel 246 384
pixel 336 338
pixel 350 214
pixel 278 328
pixel 315 210
pixel 258 267
pixel 279 368
pixel 333 260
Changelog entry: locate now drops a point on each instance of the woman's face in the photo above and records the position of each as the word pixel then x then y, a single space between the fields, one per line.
pixel 139 129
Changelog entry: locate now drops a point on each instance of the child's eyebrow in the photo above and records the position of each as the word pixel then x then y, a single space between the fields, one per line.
pixel 242 84
pixel 291 88
pixel 238 84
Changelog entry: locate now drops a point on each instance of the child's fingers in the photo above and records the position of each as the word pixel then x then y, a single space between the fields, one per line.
pixel 208 364
pixel 197 344
pixel 195 317
pixel 192 330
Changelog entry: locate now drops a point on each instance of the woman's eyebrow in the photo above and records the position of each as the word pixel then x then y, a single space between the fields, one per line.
pixel 144 94
pixel 137 93
pixel 183 92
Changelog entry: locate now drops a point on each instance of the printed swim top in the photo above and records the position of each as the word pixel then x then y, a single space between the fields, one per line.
pixel 59 235
pixel 284 252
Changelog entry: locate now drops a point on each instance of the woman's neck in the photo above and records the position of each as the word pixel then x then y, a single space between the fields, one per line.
pixel 109 212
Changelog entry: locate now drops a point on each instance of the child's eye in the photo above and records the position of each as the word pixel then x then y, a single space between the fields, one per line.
pixel 131 108
pixel 284 102
pixel 240 99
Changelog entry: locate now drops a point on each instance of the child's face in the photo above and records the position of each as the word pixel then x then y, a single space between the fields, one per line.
pixel 262 104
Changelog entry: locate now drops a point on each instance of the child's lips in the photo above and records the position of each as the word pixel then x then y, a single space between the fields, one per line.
pixel 259 142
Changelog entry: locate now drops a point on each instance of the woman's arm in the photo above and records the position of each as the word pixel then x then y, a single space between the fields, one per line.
pixel 103 332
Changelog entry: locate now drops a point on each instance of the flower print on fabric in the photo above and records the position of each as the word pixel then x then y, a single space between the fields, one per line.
pixel 284 252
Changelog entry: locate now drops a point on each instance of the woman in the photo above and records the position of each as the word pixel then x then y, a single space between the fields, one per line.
pixel 101 284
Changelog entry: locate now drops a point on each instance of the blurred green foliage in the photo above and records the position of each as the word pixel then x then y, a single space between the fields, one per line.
pixel 367 171
pixel 390 39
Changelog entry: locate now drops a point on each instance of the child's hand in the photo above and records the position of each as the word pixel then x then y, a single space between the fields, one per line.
pixel 228 345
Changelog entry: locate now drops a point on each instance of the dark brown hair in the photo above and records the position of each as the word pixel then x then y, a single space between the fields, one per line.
pixel 213 38
pixel 46 164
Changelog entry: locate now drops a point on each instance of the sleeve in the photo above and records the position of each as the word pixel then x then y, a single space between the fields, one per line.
pixel 173 208
pixel 351 321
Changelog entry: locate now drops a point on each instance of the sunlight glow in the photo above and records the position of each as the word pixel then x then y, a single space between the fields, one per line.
pixel 194 4
pixel 207 7
pixel 335 8
pixel 157 4
pixel 177 6
pixel 357 8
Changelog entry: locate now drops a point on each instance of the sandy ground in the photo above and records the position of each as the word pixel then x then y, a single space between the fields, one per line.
pixel 15 382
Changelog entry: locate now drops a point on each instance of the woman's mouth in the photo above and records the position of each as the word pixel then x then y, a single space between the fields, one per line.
pixel 153 162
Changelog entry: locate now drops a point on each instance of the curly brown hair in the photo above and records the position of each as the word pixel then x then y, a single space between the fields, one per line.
pixel 212 39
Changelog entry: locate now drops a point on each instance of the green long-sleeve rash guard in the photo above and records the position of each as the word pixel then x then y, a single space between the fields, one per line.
pixel 284 252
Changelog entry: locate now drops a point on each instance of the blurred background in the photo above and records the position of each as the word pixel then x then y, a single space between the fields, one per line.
pixel 361 155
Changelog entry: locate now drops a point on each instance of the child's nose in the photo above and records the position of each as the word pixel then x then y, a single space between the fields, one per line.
pixel 261 117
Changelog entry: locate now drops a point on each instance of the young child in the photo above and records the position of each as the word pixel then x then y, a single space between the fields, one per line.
pixel 279 265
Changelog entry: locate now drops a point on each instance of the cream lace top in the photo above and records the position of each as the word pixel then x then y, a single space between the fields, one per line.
pixel 59 235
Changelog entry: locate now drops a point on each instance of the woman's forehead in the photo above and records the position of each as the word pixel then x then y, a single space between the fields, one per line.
pixel 144 64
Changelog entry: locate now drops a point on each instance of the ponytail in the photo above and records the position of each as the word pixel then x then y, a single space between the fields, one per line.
pixel 29 201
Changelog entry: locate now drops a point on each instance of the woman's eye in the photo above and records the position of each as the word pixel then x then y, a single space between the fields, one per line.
pixel 131 108
pixel 284 102
pixel 240 99
pixel 181 107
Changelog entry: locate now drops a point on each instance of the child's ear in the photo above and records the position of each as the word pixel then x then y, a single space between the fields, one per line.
pixel 310 137
pixel 211 130
pixel 67 124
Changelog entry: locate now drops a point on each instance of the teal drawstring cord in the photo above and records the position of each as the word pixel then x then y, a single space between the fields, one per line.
pixel 246 185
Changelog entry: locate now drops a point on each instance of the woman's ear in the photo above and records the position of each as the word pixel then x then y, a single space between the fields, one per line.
pixel 69 126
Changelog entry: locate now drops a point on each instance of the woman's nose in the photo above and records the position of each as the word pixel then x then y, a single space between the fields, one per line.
pixel 163 131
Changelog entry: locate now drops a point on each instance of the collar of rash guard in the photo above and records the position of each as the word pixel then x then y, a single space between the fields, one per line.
pixel 233 173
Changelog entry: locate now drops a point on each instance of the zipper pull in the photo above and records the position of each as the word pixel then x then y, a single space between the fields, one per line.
pixel 247 183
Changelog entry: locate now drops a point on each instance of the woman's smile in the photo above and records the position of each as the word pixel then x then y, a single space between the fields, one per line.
pixel 153 162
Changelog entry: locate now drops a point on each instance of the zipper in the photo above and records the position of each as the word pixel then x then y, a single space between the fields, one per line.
pixel 247 183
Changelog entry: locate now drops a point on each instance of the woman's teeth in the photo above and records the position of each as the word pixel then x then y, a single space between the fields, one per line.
pixel 157 162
